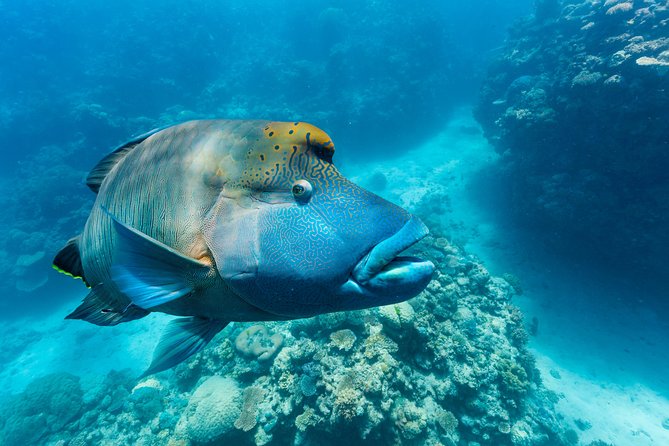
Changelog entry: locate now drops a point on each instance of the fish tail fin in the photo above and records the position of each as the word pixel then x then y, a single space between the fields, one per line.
pixel 100 308
pixel 68 260
pixel 182 338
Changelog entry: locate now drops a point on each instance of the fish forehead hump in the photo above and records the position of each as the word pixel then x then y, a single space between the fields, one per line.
pixel 267 155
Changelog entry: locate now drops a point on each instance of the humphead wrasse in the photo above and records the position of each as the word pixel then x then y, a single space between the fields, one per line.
pixel 218 221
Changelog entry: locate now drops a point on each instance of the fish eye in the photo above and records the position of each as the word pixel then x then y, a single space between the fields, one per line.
pixel 302 190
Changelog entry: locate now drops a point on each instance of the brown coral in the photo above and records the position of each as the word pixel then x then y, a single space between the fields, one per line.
pixel 247 418
pixel 256 342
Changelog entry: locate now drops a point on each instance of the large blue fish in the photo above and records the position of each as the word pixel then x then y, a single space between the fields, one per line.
pixel 218 221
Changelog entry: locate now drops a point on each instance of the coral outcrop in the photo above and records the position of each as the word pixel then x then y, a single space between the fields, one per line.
pixel 46 407
pixel 255 342
pixel 211 411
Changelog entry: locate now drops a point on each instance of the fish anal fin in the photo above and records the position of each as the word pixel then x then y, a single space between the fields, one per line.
pixel 182 338
pixel 68 260
pixel 100 309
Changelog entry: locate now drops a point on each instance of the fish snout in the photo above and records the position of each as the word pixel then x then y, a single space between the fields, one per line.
pixel 385 275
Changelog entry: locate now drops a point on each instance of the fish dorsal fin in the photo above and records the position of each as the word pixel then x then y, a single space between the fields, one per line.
pixel 68 260
pixel 106 164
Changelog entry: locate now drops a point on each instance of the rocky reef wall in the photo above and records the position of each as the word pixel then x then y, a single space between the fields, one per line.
pixel 576 104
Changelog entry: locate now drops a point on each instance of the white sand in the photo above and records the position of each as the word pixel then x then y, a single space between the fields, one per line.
pixel 619 414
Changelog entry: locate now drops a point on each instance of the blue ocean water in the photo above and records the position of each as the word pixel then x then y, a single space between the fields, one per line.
pixel 529 136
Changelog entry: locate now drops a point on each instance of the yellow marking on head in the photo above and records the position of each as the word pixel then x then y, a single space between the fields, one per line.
pixel 299 133
pixel 281 153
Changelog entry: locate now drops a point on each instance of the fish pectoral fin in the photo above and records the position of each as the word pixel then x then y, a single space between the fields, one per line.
pixel 151 273
pixel 182 338
pixel 101 309
pixel 68 260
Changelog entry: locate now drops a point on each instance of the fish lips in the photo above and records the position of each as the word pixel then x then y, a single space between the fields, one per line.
pixel 386 275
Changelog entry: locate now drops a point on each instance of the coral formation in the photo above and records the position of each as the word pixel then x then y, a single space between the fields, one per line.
pixel 343 339
pixel 47 406
pixel 212 410
pixel 257 343
pixel 145 400
pixel 247 417
pixel 576 106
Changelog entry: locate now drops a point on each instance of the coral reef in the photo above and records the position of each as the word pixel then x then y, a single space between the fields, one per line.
pixel 343 339
pixel 576 106
pixel 48 405
pixel 212 410
pixel 247 417
pixel 448 367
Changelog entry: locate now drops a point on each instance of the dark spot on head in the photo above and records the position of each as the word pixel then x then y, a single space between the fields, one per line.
pixel 276 147
pixel 267 172
pixel 296 123
pixel 262 157
pixel 267 128
pixel 290 132
pixel 271 133
pixel 295 147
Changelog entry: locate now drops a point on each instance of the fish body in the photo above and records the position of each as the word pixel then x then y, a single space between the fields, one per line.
pixel 218 221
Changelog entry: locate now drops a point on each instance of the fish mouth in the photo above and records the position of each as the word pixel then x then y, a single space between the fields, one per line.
pixel 383 271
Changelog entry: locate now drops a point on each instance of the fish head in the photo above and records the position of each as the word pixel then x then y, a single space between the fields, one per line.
pixel 299 239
